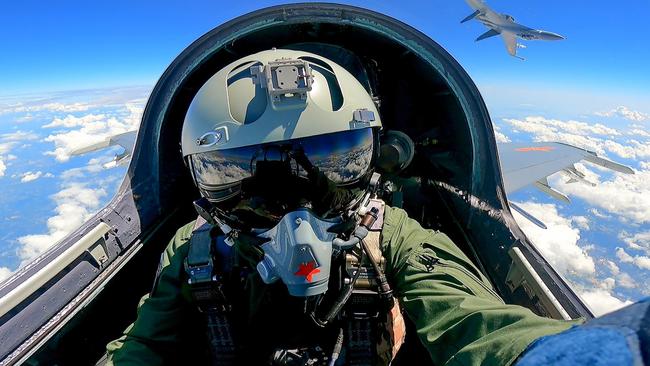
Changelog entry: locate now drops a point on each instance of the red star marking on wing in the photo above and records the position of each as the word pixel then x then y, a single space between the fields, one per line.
pixel 535 148
pixel 307 270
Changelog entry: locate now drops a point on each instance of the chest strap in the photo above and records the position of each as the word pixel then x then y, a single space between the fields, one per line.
pixel 206 287
pixel 374 331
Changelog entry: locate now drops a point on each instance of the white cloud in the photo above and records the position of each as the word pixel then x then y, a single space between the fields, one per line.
pixel 50 107
pixel 639 132
pixel 9 140
pixel 5 147
pixel 93 130
pixel 19 136
pixel 613 267
pixel 11 157
pixel 599 214
pixel 541 124
pixel 581 221
pixel 559 242
pixel 72 121
pixel 75 204
pixel 3 167
pixel 625 280
pixel 625 112
pixel 93 166
pixel 500 137
pixel 26 118
pixel 601 301
pixel 638 241
pixel 626 195
pixel 607 284
pixel 640 261
pixel 4 273
pixel 30 176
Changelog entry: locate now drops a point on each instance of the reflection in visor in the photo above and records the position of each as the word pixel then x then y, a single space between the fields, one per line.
pixel 344 157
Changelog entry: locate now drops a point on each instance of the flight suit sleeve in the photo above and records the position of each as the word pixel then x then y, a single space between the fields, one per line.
pixel 153 338
pixel 458 316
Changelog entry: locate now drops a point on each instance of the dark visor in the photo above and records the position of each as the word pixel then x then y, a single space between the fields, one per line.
pixel 344 157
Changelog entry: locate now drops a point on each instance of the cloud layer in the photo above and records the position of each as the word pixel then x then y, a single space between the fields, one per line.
pixel 93 128
pixel 594 137
pixel 626 195
pixel 625 112
pixel 50 107
pixel 641 261
pixel 76 203
pixel 4 273
pixel 559 245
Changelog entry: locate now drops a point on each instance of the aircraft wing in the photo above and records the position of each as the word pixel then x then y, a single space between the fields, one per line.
pixel 526 164
pixel 511 43
pixel 125 140
pixel 476 4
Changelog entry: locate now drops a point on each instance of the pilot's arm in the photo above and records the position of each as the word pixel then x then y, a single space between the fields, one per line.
pixel 458 316
pixel 155 337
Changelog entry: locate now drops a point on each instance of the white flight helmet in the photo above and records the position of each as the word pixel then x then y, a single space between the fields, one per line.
pixel 282 98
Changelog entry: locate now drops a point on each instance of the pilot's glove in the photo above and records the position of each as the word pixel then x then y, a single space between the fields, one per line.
pixel 618 338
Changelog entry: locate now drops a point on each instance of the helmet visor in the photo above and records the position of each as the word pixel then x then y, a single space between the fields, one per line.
pixel 344 157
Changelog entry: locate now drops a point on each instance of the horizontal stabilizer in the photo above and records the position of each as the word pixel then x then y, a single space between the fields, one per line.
pixel 528 216
pixel 543 186
pixel 471 16
pixel 488 34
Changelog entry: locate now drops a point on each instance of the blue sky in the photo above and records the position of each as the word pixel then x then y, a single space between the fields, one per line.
pixel 64 45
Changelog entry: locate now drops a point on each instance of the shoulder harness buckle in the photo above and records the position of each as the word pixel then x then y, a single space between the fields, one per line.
pixel 205 285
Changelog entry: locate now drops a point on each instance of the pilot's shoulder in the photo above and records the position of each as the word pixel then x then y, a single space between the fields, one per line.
pixel 397 223
pixel 400 230
pixel 181 237
pixel 184 233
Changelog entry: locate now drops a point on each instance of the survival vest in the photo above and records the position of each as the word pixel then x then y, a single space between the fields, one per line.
pixel 370 333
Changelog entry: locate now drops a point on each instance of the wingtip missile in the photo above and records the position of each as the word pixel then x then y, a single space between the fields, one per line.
pixel 593 158
pixel 528 216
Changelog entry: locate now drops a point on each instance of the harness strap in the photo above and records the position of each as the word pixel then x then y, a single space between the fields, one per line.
pixel 374 334
pixel 206 288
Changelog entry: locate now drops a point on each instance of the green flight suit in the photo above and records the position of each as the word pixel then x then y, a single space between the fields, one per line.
pixel 458 317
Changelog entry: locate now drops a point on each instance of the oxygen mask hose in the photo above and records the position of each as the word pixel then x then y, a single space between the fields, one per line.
pixel 385 292
pixel 340 302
